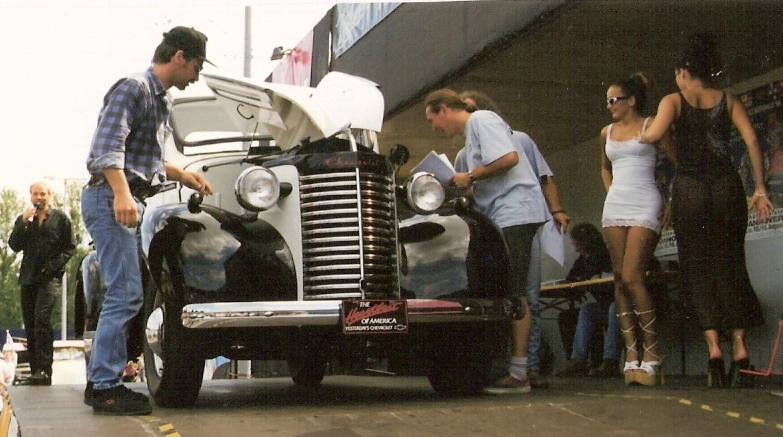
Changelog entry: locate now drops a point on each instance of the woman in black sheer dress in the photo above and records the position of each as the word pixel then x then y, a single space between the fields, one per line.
pixel 709 207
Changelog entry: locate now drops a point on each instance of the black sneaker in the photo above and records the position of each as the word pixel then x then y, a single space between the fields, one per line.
pixel 119 401
pixel 39 378
pixel 88 396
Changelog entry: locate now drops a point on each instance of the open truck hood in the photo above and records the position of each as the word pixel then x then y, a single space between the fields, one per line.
pixel 292 113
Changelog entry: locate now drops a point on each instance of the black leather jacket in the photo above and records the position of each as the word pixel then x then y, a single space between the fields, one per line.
pixel 47 247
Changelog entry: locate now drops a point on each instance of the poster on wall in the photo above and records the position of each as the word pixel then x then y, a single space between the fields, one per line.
pixel 765 110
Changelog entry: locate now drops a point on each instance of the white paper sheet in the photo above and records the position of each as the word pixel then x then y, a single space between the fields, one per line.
pixel 552 241
pixel 438 165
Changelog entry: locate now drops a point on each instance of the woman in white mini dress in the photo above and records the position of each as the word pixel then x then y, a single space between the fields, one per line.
pixel 631 222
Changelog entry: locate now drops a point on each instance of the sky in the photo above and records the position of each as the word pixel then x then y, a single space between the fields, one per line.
pixel 59 57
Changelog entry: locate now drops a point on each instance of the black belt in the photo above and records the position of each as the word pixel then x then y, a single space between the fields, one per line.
pixel 139 188
pixel 96 179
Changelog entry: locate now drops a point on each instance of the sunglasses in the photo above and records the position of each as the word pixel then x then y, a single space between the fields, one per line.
pixel 612 100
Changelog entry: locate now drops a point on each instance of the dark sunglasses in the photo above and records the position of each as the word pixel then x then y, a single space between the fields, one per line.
pixel 612 100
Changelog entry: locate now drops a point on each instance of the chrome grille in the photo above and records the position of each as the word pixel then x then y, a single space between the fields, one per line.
pixel 341 258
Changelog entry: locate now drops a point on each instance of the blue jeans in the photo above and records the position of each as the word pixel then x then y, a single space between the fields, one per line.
pixel 532 291
pixel 118 256
pixel 592 316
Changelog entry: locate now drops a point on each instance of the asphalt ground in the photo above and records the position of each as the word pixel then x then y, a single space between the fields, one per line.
pixel 407 406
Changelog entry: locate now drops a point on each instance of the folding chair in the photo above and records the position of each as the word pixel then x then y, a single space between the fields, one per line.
pixel 775 357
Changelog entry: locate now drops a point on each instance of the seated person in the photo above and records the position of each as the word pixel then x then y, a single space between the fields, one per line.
pixel 593 260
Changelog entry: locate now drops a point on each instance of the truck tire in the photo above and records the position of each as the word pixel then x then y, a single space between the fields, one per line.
pixel 174 373
pixel 307 371
pixel 462 364
pixel 458 377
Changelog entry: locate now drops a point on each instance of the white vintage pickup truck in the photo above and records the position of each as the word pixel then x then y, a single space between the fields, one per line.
pixel 309 250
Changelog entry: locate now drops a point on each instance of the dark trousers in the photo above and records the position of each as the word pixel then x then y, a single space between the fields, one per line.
pixel 519 239
pixel 37 304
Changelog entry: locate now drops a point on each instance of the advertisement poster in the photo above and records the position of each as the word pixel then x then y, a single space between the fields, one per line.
pixel 294 68
pixel 765 110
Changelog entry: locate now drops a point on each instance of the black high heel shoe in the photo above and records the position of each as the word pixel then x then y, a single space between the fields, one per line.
pixel 716 378
pixel 736 379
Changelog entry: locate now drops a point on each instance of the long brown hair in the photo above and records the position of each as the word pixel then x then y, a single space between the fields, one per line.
pixel 482 101
pixel 436 100
pixel 637 85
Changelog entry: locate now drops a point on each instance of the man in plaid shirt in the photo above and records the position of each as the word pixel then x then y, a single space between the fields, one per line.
pixel 127 152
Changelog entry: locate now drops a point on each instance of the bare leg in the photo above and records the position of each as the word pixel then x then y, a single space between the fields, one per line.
pixel 616 240
pixel 740 351
pixel 520 333
pixel 639 247
pixel 713 343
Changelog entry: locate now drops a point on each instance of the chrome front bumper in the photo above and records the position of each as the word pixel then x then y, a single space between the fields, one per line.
pixel 327 312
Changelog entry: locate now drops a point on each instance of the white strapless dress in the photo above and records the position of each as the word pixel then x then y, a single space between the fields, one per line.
pixel 633 198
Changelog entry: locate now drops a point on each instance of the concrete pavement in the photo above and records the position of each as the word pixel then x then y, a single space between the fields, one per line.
pixel 406 406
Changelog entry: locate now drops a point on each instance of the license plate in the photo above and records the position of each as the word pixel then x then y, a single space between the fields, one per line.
pixel 375 316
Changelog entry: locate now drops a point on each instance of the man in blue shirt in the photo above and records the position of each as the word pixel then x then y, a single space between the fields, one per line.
pixel 507 191
pixel 477 100
pixel 127 153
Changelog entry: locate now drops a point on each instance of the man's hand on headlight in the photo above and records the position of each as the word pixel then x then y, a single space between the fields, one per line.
pixel 196 182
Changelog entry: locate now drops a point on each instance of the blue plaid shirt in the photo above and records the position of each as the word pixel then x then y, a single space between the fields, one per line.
pixel 132 128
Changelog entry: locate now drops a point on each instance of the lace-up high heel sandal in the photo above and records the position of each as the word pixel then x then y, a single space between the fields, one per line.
pixel 631 367
pixel 650 372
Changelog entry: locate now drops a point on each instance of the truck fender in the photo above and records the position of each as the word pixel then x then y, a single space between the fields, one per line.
pixel 217 255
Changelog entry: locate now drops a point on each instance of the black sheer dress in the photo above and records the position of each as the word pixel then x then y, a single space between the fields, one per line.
pixel 710 217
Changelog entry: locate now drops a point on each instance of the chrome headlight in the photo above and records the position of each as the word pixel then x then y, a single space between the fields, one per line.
pixel 425 193
pixel 257 189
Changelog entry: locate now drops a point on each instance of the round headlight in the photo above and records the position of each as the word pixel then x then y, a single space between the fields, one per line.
pixel 425 193
pixel 257 189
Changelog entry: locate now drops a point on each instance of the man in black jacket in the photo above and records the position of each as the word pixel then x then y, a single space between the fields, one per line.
pixel 45 236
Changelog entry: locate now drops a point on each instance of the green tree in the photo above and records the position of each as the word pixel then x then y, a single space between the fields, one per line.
pixel 11 205
pixel 71 205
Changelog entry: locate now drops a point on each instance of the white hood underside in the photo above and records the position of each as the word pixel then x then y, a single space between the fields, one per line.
pixel 292 113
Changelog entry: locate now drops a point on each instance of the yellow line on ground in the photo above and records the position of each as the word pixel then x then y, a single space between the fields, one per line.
pixel 733 414
pixel 166 427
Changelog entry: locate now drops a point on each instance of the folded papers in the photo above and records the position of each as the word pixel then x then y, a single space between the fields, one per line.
pixel 437 164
